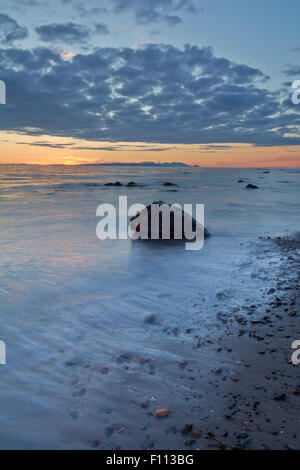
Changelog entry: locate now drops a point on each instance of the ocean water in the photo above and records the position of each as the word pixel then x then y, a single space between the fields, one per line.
pixel 73 308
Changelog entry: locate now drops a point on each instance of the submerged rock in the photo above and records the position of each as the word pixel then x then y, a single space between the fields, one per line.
pixel 251 186
pixel 150 319
pixel 136 224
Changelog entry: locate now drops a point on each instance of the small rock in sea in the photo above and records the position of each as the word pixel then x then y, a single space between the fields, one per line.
pixel 271 291
pixel 109 430
pixel 72 362
pixel 145 404
pixel 144 228
pixel 218 371
pixel 150 319
pixel 131 183
pixel 74 414
pixel 241 181
pixel 279 397
pixel 251 186
pixel 117 183
pixel 187 428
pixel 161 413
pixel 123 358
pixel 169 184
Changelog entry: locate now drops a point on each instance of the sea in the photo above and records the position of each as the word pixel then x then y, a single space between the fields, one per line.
pixel 94 327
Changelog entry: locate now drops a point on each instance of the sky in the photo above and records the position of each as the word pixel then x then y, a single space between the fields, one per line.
pixel 204 82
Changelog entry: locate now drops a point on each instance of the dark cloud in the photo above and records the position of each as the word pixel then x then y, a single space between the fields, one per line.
pixel 155 10
pixel 10 30
pixel 45 144
pixel 145 11
pixel 125 149
pixel 292 70
pixel 114 148
pixel 172 20
pixel 101 29
pixel 153 94
pixel 68 33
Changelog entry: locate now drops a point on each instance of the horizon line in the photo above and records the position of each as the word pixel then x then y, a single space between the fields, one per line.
pixel 150 164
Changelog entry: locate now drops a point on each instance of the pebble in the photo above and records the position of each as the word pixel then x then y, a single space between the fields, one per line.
pixel 279 397
pixel 246 442
pixel 161 413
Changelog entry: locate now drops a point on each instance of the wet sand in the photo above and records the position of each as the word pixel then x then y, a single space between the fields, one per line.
pixel 249 400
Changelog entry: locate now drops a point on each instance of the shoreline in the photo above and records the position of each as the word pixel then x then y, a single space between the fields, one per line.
pixel 250 400
pixel 259 401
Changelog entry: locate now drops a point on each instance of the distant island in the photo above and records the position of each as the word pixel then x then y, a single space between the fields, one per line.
pixel 165 164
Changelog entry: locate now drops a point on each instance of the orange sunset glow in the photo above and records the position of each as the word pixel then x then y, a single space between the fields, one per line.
pixel 49 150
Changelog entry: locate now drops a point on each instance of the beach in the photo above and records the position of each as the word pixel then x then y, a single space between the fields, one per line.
pixel 102 334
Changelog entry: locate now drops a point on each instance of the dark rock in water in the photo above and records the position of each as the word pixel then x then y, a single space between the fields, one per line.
pixel 266 172
pixel 109 430
pixel 74 414
pixel 169 184
pixel 137 227
pixel 151 319
pixel 251 186
pixel 145 404
pixel 241 181
pixel 123 358
pixel 117 183
pixel 73 362
pixel 131 183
